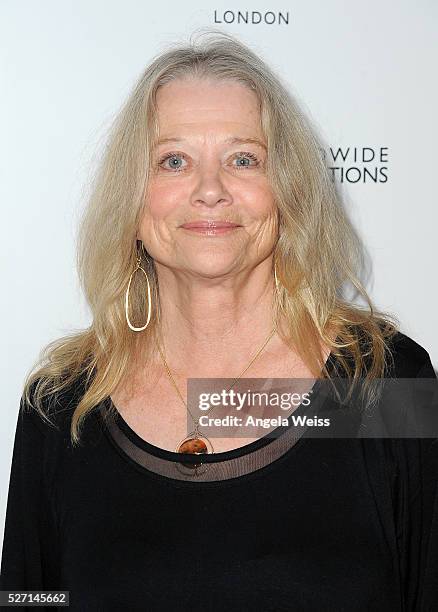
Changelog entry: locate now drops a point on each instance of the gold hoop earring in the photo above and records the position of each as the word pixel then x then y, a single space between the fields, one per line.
pixel 277 283
pixel 138 267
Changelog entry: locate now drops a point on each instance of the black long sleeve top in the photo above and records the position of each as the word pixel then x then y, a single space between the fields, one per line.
pixel 318 524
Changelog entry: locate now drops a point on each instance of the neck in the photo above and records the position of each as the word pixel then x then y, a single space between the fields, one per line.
pixel 214 326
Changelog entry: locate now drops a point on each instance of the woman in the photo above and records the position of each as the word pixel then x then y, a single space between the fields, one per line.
pixel 214 245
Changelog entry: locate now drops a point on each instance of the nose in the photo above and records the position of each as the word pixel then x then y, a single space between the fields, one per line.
pixel 210 189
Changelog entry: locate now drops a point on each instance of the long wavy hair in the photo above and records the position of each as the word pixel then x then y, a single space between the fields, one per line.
pixel 318 253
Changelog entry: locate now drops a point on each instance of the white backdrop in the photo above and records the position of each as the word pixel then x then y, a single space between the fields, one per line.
pixel 363 72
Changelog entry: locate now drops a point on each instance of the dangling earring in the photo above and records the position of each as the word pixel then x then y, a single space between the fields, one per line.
pixel 277 284
pixel 138 267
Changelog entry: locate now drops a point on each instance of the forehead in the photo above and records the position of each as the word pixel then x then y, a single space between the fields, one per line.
pixel 192 104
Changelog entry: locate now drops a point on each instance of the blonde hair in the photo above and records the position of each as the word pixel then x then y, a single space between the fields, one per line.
pixel 318 253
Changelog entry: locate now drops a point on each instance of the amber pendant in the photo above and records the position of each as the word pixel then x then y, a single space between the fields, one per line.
pixel 195 445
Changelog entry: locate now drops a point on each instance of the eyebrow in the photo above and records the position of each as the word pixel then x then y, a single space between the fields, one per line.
pixel 232 140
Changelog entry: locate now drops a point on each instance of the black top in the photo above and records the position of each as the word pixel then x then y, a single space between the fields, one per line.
pixel 284 523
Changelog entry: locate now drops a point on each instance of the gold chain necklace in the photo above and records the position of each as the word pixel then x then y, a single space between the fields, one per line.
pixel 195 443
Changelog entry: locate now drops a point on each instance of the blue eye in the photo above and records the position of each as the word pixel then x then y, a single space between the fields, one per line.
pixel 172 157
pixel 247 157
pixel 244 159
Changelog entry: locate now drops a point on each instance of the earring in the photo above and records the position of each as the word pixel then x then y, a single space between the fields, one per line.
pixel 138 267
pixel 277 284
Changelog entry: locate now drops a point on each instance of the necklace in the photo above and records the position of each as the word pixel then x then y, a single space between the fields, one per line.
pixel 195 442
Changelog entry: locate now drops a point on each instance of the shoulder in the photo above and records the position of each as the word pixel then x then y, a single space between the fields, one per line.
pixel 408 359
pixel 50 412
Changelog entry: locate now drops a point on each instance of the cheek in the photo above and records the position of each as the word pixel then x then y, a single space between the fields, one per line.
pixel 260 200
pixel 162 200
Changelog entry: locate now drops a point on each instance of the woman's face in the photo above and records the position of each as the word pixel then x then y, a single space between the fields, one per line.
pixel 209 166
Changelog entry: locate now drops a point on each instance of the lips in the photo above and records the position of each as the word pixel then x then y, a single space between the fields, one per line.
pixel 209 224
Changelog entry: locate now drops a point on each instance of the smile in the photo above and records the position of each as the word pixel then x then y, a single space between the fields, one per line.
pixel 212 231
